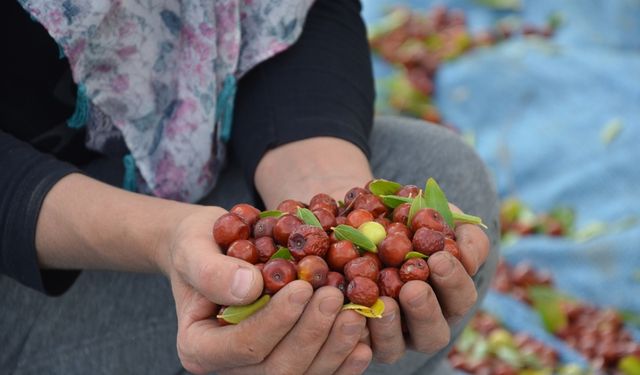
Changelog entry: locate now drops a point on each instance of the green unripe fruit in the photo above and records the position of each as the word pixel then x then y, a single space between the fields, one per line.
pixel 373 231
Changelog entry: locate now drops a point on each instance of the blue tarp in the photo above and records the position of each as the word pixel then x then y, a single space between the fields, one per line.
pixel 538 110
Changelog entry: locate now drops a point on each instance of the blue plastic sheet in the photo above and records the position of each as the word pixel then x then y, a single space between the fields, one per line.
pixel 540 112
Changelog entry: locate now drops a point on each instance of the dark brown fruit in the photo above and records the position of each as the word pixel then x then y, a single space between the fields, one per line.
pixel 352 194
pixel 308 240
pixel 285 225
pixel 393 249
pixel 401 213
pixel 358 217
pixel 409 191
pixel 375 258
pixel 428 218
pixel 427 241
pixel 363 291
pixel 449 233
pixel 265 247
pixel 277 273
pixel 247 212
pixel 324 201
pixel 399 228
pixel 228 229
pixel 326 218
pixel 290 206
pixel 340 253
pixel 389 282
pixel 264 227
pixel 336 280
pixel 452 247
pixel 370 203
pixel 313 269
pixel 414 269
pixel 362 267
pixel 383 221
pixel 245 250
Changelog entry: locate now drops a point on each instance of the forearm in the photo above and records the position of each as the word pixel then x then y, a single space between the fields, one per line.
pixel 301 169
pixel 84 223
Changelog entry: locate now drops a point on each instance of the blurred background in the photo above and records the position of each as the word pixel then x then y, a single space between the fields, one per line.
pixel 548 93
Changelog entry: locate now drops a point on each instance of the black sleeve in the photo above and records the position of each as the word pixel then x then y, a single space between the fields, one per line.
pixel 26 176
pixel 321 86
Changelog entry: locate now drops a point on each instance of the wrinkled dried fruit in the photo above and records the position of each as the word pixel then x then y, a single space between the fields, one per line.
pixel 277 273
pixel 228 229
pixel 363 267
pixel 370 203
pixel 399 228
pixel 247 212
pixel 409 191
pixel 452 247
pixel 414 269
pixel 313 269
pixel 265 247
pixel 428 218
pixel 245 250
pixel 340 253
pixel 389 282
pixel 363 291
pixel 352 194
pixel 427 241
pixel 326 218
pixel 285 225
pixel 375 258
pixel 308 240
pixel 324 201
pixel 401 213
pixel 393 250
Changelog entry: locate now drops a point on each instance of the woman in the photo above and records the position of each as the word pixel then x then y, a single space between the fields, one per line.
pixel 156 112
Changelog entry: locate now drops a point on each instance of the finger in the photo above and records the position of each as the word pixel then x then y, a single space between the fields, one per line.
pixel 428 329
pixel 454 288
pixel 365 337
pixel 474 246
pixel 386 333
pixel 222 279
pixel 357 362
pixel 296 351
pixel 342 340
pixel 250 342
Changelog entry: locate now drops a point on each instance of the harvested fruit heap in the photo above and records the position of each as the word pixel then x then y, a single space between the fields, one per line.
pixel 418 43
pixel 516 219
pixel 367 246
pixel 598 334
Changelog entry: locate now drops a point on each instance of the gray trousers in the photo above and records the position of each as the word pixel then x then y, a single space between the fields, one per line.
pixel 125 323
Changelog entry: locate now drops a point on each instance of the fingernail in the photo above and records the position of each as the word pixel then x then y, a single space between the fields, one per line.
pixel 330 305
pixel 242 282
pixel 442 266
pixel 351 329
pixel 418 301
pixel 300 297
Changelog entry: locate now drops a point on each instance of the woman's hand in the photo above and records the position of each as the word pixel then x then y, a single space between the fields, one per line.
pixel 298 331
pixel 430 309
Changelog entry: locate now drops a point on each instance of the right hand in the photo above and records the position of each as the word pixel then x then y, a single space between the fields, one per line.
pixel 299 331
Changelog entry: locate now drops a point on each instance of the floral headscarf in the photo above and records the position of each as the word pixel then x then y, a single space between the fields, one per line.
pixel 161 74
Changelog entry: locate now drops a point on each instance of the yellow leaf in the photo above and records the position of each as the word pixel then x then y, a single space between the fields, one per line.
pixel 375 311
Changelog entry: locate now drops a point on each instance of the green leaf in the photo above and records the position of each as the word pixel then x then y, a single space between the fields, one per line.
pixel 308 217
pixel 501 4
pixel 459 217
pixel 345 232
pixel 282 253
pixel 417 204
pixel 271 213
pixel 629 365
pixel 415 254
pixel 434 198
pixel 547 303
pixel 393 201
pixel 384 187
pixel 236 314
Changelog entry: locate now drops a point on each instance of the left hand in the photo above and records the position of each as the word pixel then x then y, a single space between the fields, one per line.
pixel 431 308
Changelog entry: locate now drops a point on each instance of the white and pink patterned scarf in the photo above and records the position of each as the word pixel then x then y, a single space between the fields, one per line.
pixel 161 75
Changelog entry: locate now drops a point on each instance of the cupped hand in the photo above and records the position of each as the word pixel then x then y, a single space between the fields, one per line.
pixel 430 309
pixel 298 331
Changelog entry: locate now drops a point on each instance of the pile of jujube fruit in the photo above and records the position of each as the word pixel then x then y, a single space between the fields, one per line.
pixel 368 245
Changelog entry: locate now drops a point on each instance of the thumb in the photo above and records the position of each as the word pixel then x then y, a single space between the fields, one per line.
pixel 222 279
